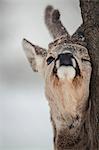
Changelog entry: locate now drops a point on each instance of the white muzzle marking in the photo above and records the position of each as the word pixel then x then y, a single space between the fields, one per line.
pixel 66 72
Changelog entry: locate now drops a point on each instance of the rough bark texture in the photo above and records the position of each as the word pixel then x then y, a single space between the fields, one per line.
pixel 90 16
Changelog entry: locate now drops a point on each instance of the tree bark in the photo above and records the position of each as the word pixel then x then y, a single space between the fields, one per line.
pixel 90 16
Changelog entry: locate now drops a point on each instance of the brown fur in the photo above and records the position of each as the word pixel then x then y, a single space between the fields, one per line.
pixel 68 99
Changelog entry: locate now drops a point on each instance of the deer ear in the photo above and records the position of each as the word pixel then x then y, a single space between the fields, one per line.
pixel 35 55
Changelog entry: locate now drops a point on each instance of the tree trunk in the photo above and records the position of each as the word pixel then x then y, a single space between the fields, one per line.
pixel 90 16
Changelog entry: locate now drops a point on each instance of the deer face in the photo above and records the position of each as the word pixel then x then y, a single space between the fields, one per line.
pixel 65 61
pixel 66 70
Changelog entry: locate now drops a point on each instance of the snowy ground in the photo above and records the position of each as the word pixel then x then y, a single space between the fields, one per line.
pixel 24 112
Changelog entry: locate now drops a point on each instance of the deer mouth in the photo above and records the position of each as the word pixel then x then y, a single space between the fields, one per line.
pixel 66 66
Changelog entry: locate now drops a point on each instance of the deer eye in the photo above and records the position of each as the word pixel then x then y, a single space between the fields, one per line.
pixel 49 60
pixel 85 60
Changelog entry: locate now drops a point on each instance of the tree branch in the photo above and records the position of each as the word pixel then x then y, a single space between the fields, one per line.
pixel 52 20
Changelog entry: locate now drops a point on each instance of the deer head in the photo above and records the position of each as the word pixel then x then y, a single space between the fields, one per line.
pixel 66 69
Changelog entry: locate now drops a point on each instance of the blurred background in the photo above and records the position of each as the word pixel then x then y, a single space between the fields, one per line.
pixel 24 112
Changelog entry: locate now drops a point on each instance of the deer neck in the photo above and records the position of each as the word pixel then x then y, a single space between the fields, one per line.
pixel 72 133
pixel 70 118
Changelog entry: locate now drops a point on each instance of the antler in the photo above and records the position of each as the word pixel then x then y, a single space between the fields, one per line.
pixel 52 20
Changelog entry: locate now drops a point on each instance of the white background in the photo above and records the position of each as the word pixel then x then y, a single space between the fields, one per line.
pixel 24 112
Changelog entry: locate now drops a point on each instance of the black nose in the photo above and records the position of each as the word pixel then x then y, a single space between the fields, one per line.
pixel 65 59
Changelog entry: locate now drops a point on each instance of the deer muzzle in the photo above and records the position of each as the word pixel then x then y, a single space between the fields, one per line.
pixel 66 66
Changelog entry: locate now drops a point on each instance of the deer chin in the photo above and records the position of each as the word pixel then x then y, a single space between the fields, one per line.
pixel 66 72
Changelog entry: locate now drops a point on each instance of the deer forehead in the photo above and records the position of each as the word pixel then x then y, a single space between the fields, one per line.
pixel 77 50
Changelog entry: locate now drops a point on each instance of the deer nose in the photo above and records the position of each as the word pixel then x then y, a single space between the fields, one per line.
pixel 65 59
